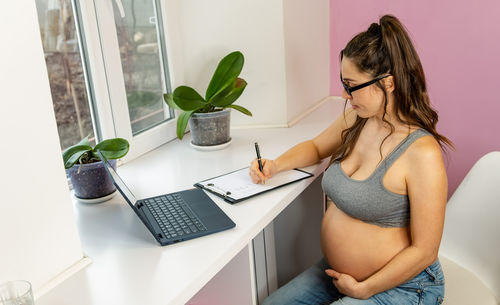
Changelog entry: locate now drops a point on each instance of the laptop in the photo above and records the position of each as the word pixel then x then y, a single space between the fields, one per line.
pixel 174 217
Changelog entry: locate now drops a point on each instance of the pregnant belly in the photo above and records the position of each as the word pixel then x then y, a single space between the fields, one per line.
pixel 357 248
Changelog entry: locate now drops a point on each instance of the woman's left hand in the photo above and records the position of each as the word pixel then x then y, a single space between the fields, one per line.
pixel 348 285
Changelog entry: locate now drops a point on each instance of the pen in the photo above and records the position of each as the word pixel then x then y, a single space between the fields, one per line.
pixel 257 150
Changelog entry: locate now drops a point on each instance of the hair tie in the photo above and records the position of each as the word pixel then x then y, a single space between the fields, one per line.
pixel 375 29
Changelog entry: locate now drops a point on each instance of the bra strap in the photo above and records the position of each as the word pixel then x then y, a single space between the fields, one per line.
pixel 400 149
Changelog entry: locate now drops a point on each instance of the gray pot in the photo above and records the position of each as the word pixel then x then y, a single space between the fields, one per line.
pixel 92 181
pixel 208 129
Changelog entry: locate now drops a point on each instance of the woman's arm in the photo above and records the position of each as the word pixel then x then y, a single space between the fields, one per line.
pixel 306 153
pixel 427 191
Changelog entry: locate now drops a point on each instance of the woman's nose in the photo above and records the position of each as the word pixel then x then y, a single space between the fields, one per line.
pixel 345 95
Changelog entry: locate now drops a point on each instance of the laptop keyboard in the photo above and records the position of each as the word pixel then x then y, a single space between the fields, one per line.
pixel 174 216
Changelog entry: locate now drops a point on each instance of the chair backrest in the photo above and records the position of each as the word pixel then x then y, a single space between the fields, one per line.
pixel 471 234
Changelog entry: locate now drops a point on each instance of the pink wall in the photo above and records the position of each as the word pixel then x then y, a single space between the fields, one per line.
pixel 459 45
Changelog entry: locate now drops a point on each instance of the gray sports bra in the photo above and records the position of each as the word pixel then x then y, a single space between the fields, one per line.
pixel 368 199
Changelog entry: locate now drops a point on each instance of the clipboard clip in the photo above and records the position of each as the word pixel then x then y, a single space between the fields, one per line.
pixel 218 190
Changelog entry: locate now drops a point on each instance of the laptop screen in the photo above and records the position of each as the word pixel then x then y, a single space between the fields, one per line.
pixel 119 182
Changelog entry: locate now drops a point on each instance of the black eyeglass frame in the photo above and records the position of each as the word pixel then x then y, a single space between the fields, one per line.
pixel 350 90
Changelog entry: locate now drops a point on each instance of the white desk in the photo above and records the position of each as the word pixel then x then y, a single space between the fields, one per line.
pixel 129 267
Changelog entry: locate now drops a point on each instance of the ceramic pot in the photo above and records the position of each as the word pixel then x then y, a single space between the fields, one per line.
pixel 91 180
pixel 210 129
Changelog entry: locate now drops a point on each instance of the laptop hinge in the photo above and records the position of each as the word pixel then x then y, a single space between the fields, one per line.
pixel 155 229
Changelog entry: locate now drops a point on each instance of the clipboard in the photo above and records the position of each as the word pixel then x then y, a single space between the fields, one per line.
pixel 237 186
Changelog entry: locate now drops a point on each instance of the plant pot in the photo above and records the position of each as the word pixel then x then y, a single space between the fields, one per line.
pixel 91 181
pixel 210 129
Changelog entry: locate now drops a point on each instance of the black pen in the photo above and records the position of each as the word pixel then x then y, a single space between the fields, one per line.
pixel 257 150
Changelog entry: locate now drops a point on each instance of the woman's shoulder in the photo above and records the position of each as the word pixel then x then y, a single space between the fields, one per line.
pixel 426 167
pixel 425 149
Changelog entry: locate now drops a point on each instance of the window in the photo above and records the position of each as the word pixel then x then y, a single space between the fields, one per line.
pixel 138 41
pixel 65 71
pixel 107 65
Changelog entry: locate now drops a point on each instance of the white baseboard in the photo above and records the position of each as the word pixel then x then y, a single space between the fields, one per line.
pixel 61 277
pixel 313 108
pixel 260 126
pixel 297 118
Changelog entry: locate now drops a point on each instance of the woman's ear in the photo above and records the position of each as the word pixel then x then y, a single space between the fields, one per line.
pixel 389 84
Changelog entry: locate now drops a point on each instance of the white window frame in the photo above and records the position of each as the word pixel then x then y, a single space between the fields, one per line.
pixel 107 83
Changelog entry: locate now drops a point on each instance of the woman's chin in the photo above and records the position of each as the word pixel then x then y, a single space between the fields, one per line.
pixel 360 113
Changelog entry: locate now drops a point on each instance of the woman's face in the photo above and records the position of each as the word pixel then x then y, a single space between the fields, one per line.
pixel 367 101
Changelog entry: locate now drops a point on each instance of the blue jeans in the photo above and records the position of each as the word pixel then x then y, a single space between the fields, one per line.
pixel 314 287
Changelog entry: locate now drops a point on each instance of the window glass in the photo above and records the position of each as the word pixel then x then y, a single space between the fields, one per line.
pixel 65 71
pixel 138 31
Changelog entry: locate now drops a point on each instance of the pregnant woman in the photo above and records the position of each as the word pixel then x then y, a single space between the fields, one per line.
pixel 386 182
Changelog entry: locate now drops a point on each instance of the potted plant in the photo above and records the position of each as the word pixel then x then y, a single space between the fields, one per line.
pixel 86 170
pixel 209 117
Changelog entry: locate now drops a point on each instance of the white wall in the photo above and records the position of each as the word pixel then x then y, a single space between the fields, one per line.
pixel 286 48
pixel 307 50
pixel 38 235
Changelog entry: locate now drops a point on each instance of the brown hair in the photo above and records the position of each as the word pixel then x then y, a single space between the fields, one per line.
pixel 388 49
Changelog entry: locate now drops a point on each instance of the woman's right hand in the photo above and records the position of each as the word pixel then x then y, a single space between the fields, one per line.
pixel 269 169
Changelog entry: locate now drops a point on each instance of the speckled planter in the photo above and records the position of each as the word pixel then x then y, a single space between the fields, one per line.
pixel 210 129
pixel 92 181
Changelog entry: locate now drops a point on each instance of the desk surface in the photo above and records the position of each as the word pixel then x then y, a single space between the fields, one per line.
pixel 129 267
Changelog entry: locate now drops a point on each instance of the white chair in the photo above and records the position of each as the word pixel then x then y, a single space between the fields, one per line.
pixel 470 248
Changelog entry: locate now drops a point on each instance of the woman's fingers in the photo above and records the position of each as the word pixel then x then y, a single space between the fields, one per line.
pixel 267 168
pixel 332 273
pixel 255 173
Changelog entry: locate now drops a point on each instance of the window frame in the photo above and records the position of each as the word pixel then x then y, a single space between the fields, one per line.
pixel 105 80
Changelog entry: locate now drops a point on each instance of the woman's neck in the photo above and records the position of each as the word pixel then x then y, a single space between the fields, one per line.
pixel 384 123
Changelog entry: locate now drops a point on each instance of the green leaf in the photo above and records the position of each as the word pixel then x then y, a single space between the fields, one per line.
pixel 84 141
pixel 227 71
pixel 187 99
pixel 112 148
pixel 230 94
pixel 169 99
pixel 73 154
pixel 240 109
pixel 182 122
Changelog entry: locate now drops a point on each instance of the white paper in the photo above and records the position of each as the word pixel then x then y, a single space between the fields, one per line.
pixel 238 184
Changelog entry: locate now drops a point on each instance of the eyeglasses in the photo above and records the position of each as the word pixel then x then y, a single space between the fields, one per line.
pixel 350 90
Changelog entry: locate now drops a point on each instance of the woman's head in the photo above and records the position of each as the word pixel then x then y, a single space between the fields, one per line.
pixel 386 48
pixel 364 89
pixel 385 60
